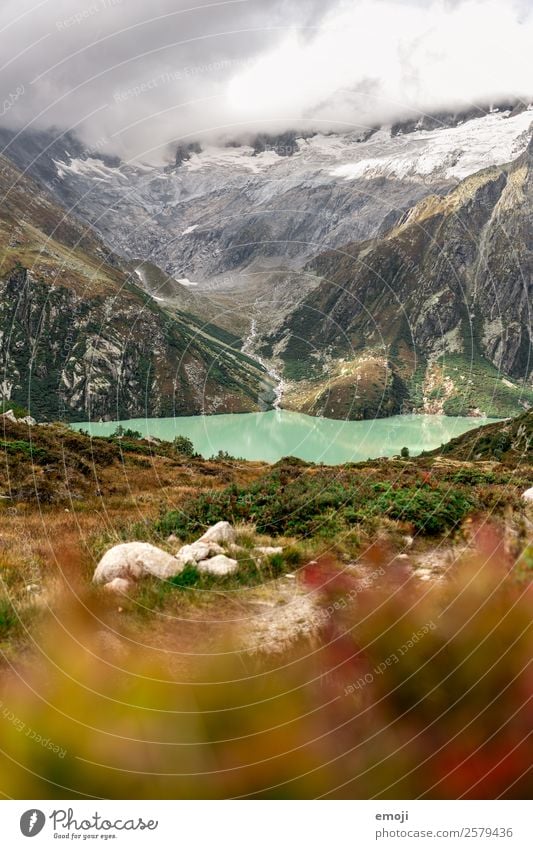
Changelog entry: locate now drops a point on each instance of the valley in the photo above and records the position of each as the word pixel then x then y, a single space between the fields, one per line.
pixel 350 276
pixel 266 420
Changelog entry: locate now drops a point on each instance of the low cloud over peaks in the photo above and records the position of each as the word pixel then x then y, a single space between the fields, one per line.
pixel 134 78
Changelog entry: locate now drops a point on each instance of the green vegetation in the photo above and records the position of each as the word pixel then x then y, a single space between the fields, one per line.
pixel 325 503
pixel 184 446
pixel 126 432
pixel 9 620
pixel 479 385
pixel 510 441
pixel 26 449
pixel 19 411
pixel 154 594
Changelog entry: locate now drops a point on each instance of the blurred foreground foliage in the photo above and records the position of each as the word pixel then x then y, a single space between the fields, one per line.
pixel 408 689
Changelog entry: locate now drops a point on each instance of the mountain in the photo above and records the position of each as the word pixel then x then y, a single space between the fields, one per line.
pixel 79 338
pixel 366 272
pixel 434 315
pixel 218 213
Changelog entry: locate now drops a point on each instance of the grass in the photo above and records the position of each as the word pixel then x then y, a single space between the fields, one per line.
pixel 93 494
pixel 479 385
pixel 192 588
pixel 323 503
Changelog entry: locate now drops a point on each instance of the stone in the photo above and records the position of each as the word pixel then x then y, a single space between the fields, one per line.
pixel 198 551
pixel 10 415
pixel 219 565
pixel 221 533
pixel 268 550
pixel 118 585
pixel 528 495
pixel 135 560
pixel 29 420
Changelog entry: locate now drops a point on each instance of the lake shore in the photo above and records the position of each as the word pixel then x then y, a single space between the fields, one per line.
pixel 269 436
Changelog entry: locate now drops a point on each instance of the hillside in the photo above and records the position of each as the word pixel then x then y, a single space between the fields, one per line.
pixel 510 442
pixel 80 339
pixel 433 316
pixel 219 211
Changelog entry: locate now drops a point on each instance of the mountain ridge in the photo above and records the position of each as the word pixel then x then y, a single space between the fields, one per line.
pixel 80 339
pixel 444 281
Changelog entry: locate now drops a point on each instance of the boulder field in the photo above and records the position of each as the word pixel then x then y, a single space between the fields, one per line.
pixel 129 562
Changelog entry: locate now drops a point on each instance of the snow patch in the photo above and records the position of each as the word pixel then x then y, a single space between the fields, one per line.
pixel 455 152
pixel 93 168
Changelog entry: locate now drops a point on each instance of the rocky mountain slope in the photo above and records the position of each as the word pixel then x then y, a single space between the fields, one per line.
pixel 434 315
pixel 216 212
pixel 80 339
pixel 369 272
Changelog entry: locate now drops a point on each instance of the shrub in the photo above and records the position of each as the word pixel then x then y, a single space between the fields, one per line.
pixel 430 511
pixel 19 411
pixel 126 432
pixel 183 445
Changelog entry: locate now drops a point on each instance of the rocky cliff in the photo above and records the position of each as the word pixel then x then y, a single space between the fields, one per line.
pixel 434 315
pixel 78 338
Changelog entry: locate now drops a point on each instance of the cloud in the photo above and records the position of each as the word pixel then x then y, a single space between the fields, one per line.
pixel 132 77
pixel 372 61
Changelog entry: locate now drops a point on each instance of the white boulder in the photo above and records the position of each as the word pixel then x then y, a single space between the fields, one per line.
pixel 528 495
pixel 198 551
pixel 222 533
pixel 118 585
pixel 135 560
pixel 219 565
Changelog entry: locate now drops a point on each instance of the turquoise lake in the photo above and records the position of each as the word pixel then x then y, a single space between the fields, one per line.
pixel 279 433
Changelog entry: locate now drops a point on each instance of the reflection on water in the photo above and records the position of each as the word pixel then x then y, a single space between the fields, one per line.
pixel 269 436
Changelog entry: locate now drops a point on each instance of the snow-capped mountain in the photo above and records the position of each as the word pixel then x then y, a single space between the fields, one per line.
pixel 223 210
pixel 348 265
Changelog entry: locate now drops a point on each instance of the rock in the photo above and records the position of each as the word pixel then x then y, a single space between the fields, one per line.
pixel 219 565
pixel 198 551
pixel 528 495
pixel 268 550
pixel 221 533
pixel 33 588
pixel 29 420
pixel 135 560
pixel 118 585
pixel 9 415
pixel 172 539
pixel 408 541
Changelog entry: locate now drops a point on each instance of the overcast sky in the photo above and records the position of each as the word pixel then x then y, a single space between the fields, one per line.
pixel 133 76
